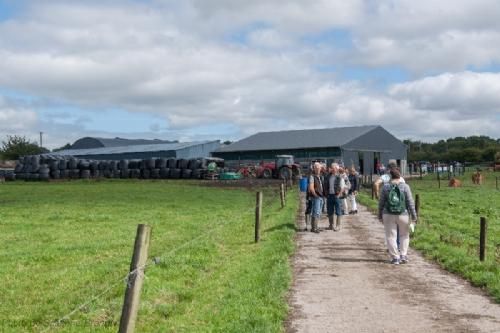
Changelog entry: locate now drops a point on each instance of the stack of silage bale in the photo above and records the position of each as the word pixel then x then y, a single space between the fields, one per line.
pixel 47 166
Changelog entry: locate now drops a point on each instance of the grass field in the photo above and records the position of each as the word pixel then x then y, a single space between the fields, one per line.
pixel 448 230
pixel 68 244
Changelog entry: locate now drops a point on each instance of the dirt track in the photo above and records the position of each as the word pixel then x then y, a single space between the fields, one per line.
pixel 344 283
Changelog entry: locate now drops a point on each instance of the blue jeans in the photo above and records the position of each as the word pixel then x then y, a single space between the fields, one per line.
pixel 317 206
pixel 333 205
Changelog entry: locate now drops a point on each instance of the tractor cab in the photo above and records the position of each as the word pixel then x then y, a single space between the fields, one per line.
pixel 282 160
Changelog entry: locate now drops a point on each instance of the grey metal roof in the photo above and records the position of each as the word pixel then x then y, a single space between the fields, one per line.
pixel 130 149
pixel 299 139
pixel 95 142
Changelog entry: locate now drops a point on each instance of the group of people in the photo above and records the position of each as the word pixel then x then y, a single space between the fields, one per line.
pixel 396 207
pixel 333 187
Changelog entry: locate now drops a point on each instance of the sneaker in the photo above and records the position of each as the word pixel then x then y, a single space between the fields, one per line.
pixel 404 259
pixel 395 261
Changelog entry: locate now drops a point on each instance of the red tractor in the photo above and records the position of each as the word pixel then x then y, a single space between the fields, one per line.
pixel 283 167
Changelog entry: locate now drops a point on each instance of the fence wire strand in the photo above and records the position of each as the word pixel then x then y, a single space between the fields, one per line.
pixel 153 261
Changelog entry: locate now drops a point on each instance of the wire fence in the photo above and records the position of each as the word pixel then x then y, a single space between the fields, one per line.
pixel 270 200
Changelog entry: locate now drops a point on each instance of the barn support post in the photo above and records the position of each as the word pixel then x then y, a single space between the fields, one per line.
pixel 258 215
pixel 482 239
pixel 135 279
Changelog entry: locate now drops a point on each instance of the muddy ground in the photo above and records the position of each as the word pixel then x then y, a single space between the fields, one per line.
pixel 344 283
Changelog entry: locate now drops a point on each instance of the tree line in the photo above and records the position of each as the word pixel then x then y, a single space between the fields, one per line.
pixel 474 149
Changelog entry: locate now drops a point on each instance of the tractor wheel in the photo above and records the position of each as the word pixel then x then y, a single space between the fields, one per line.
pixel 267 174
pixel 285 173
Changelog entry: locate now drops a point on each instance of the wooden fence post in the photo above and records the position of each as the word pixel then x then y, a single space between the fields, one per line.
pixel 417 204
pixel 282 195
pixel 135 279
pixel 439 180
pixel 482 239
pixel 496 179
pixel 373 192
pixel 258 215
pixel 420 172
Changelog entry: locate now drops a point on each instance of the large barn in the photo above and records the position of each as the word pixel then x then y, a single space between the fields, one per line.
pixel 118 149
pixel 361 146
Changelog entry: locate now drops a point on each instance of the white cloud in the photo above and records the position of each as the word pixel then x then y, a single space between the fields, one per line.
pixel 177 60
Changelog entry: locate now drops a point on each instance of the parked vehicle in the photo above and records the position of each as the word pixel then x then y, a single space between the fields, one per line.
pixel 284 167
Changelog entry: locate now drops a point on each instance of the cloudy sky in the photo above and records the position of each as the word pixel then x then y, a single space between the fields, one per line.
pixel 225 69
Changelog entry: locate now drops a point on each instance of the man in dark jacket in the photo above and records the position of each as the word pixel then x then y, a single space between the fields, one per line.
pixel 334 185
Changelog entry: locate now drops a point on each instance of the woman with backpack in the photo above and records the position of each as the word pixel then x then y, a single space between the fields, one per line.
pixel 395 208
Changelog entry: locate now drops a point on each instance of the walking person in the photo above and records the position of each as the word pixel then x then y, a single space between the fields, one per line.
pixel 316 192
pixel 395 208
pixel 334 185
pixel 345 190
pixel 353 190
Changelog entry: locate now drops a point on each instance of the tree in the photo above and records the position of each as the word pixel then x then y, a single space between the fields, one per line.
pixel 66 146
pixel 16 146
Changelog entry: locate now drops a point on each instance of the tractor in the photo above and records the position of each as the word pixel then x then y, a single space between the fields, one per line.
pixel 283 167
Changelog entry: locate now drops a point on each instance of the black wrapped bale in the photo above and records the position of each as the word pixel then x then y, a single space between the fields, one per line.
pixel 186 173
pixel 123 165
pixel 34 176
pixel 145 174
pixel 54 165
pixel 20 176
pixel 150 163
pixel 63 165
pixel 66 174
pixel 175 173
pixel 172 163
pixel 19 167
pixel 113 166
pixel 73 163
pixel 85 174
pixel 94 166
pixel 182 163
pixel 135 173
pixel 95 173
pixel 116 174
pixel 197 173
pixel 194 164
pixel 107 173
pixel 74 173
pixel 133 164
pixel 164 173
pixel 161 163
pixel 155 174
pixel 124 173
pixel 83 165
pixel 55 174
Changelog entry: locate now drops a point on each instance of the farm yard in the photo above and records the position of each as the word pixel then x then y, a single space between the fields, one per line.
pixel 449 225
pixel 66 249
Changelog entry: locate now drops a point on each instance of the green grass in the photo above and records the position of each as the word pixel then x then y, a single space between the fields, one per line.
pixel 448 231
pixel 63 243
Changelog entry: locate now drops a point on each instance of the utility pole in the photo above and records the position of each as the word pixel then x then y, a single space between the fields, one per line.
pixel 41 141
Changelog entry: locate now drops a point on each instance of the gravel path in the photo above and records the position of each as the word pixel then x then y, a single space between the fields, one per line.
pixel 344 283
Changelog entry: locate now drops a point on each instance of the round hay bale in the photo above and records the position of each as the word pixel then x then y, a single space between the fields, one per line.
pixel 74 173
pixel 124 173
pixel 123 165
pixel 94 165
pixel 115 174
pixel 55 174
pixel 54 165
pixel 113 166
pixel 44 176
pixel 66 174
pixel 95 173
pixel 135 173
pixel 34 176
pixel 194 164
pixel 83 165
pixel 19 167
pixel 133 164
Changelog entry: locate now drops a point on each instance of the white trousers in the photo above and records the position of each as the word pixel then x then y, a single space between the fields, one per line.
pixel 390 225
pixel 344 206
pixel 352 199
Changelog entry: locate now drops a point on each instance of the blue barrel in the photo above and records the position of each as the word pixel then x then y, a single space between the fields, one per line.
pixel 303 184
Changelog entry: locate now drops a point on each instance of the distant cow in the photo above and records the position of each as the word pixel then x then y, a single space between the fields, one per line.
pixel 477 178
pixel 454 183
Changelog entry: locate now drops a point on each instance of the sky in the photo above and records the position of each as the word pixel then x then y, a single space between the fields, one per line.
pixel 225 69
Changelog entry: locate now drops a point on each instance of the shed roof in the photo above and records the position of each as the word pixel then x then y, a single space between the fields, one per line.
pixel 131 149
pixel 95 142
pixel 299 139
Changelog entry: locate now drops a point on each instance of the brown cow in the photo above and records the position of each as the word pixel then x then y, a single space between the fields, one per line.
pixel 454 183
pixel 477 178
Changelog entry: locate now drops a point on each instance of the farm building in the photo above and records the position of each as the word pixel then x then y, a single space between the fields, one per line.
pixel 361 146
pixel 118 149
